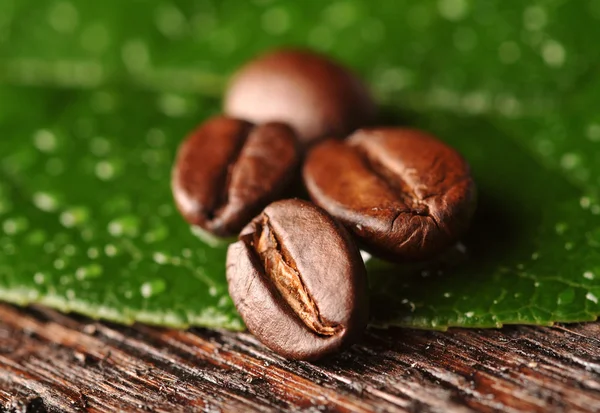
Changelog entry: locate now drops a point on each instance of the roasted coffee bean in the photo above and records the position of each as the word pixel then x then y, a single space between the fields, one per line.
pixel 228 170
pixel 404 194
pixel 313 94
pixel 298 281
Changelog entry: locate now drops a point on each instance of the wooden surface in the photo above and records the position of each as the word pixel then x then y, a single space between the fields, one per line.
pixel 54 362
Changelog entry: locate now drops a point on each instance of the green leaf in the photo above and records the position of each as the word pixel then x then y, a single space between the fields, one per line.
pixel 94 102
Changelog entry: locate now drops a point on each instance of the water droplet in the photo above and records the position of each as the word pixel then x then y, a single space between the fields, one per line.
pixel 476 102
pixel 570 160
pixel 37 237
pixel 545 146
pixel 535 18
pixel 588 275
pixel 135 55
pixel 394 79
pixel 593 132
pixel 592 298
pixel 444 98
pixel 110 250
pixel 170 21
pixel 561 227
pixel 585 202
pixel 453 10
pixel 508 106
pixel 13 226
pixel 59 264
pixel 69 250
pixel 152 288
pixel 553 53
pixel 45 141
pixel 45 201
pixel 275 21
pixel 63 17
pixel 105 170
pixel 87 234
pixel 173 105
pixel 156 234
pixel 74 216
pixel 95 38
pixel 151 157
pixel 118 204
pixel 124 226
pixel 160 258
pixel 341 14
pixel 566 297
pixel 91 271
pixel 156 138
pixel 4 206
pixel 39 278
pixel 409 303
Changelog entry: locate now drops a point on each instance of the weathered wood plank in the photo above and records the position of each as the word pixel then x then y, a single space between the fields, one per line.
pixel 53 362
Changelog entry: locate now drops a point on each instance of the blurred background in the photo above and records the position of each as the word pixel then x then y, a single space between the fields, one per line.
pixel 506 56
pixel 499 58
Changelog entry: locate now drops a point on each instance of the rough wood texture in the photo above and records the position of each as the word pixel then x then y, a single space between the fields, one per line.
pixel 53 362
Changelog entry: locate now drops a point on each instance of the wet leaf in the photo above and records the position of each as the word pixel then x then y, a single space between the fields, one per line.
pixel 94 103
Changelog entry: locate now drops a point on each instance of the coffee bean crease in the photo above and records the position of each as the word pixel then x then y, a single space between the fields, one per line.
pixel 228 169
pixel 403 193
pixel 282 272
pixel 226 177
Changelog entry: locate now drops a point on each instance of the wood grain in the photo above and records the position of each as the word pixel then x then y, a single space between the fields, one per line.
pixel 57 363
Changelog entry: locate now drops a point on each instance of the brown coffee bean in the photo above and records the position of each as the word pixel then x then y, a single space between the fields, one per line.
pixel 227 171
pixel 298 281
pixel 316 96
pixel 404 194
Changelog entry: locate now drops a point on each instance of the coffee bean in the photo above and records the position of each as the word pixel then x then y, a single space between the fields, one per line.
pixel 313 94
pixel 404 194
pixel 298 281
pixel 228 170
